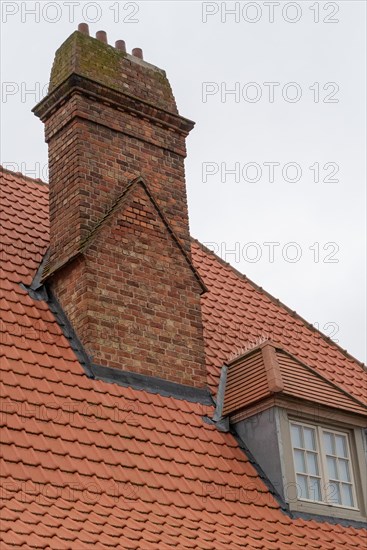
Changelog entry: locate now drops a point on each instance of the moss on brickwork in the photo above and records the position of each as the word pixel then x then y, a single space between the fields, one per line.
pixel 99 61
pixel 161 78
pixel 86 56
pixel 63 62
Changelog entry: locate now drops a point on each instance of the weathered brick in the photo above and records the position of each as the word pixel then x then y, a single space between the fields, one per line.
pixel 121 271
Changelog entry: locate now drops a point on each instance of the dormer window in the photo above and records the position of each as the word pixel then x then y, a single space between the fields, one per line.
pixel 322 464
pixel 305 432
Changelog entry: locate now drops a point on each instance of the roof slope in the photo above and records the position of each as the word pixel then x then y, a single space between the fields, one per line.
pixel 237 313
pixel 87 464
pixel 24 225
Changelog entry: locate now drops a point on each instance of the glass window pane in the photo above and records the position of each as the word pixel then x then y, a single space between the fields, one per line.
pixel 296 436
pixel 331 464
pixel 341 445
pixel 302 488
pixel 312 466
pixel 329 443
pixel 299 459
pixel 315 489
pixel 333 493
pixel 343 468
pixel 309 437
pixel 347 495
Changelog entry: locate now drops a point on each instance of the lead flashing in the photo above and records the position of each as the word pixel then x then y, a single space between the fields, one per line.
pixel 151 384
pixel 329 519
pixel 218 416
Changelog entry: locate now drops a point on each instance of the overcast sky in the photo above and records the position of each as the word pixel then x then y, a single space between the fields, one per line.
pixel 276 162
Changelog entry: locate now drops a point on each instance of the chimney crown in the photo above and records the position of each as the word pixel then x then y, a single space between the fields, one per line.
pixel 95 59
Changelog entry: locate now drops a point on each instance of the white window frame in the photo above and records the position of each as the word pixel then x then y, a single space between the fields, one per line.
pixel 325 481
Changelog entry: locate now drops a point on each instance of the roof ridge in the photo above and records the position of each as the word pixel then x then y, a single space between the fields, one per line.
pixel 281 304
pixel 37 181
pixel 273 371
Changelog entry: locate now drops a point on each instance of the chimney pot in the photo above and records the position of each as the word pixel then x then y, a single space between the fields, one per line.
pixel 120 45
pixel 84 28
pixel 138 52
pixel 101 36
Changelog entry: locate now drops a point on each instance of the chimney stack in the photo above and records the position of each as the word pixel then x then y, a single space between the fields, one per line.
pixel 120 262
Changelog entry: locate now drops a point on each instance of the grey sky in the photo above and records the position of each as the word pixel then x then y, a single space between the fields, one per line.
pixel 303 126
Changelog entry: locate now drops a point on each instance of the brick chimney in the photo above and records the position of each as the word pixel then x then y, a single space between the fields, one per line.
pixel 120 261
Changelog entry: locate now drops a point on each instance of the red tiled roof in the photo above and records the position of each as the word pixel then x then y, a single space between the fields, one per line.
pixel 87 464
pixel 267 370
pixel 236 313
pixel 24 225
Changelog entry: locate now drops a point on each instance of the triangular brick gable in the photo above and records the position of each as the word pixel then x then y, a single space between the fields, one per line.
pixel 141 220
pixel 136 290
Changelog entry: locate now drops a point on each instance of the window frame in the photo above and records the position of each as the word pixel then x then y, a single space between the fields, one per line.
pixel 292 411
pixel 323 470
pixel 324 455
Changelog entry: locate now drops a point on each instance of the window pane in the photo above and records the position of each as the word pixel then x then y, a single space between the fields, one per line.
pixel 299 459
pixel 344 473
pixel 329 443
pixel 333 486
pixel 309 436
pixel 333 493
pixel 331 464
pixel 312 466
pixel 315 489
pixel 302 488
pixel 341 445
pixel 296 436
pixel 347 495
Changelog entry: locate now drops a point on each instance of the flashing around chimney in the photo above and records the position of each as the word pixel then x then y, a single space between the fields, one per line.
pixel 221 422
pixel 42 292
pixel 152 384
